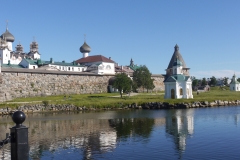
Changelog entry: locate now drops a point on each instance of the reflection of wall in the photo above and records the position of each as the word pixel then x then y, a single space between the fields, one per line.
pixel 55 133
pixel 180 124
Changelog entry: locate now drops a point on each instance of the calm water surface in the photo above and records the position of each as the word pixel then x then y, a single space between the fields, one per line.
pixel 203 133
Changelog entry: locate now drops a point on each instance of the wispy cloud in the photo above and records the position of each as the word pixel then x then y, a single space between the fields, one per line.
pixel 215 73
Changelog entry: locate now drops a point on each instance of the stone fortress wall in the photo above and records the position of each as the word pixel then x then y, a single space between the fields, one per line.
pixel 16 83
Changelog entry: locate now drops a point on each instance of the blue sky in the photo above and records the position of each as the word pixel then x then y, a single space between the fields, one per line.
pixel 207 31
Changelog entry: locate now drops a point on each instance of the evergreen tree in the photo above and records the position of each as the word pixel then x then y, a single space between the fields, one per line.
pixel 213 81
pixel 204 82
pixel 225 81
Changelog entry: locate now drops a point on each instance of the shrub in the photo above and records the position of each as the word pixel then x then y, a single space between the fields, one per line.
pixel 45 103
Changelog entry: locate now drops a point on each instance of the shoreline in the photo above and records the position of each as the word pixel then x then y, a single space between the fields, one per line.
pixel 31 108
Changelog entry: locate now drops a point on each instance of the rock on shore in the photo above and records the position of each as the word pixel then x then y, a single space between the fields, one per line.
pixel 150 105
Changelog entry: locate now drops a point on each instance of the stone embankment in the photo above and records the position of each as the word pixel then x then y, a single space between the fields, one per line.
pixel 151 105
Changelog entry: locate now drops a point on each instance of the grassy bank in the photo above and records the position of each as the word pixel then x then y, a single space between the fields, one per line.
pixel 113 99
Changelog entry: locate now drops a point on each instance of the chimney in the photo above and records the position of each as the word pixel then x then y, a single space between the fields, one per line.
pixel 110 58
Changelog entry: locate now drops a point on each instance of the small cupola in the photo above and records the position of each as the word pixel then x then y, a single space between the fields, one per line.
pixel 19 48
pixel 34 46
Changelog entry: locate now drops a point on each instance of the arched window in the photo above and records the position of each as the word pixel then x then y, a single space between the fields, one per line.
pixel 181 91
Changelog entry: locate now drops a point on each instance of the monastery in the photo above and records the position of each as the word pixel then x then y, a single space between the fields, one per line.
pixel 97 64
pixel 89 74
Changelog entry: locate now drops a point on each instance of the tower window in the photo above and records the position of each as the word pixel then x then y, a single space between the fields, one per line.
pixel 181 91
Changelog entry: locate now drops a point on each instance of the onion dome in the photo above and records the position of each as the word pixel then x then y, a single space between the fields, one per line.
pixel 8 36
pixel 85 48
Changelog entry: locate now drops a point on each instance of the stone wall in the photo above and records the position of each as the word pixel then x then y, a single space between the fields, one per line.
pixel 26 83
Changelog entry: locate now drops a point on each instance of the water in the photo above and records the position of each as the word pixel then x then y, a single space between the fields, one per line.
pixel 202 133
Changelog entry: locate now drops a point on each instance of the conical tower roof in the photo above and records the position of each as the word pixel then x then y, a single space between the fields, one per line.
pixel 176 55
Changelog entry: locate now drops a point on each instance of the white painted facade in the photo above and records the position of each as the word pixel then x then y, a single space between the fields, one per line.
pixel 178 85
pixel 85 54
pixel 69 68
pixel 4 55
pixel 234 84
pixel 178 89
pixel 24 63
pixel 101 68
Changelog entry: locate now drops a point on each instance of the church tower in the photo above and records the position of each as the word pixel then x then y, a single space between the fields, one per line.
pixel 234 84
pixel 34 54
pixel 176 54
pixel 177 84
pixel 6 40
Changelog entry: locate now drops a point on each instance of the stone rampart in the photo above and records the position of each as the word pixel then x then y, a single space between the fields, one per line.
pixel 16 83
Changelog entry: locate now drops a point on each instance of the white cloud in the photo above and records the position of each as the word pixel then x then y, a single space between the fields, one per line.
pixel 215 73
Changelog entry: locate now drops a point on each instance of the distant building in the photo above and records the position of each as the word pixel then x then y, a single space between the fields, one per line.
pixel 178 83
pixel 96 64
pixel 234 84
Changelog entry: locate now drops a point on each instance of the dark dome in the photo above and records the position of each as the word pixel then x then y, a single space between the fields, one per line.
pixel 176 55
pixel 85 48
pixel 9 37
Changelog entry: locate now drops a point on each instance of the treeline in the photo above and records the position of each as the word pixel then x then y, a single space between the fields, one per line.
pixel 212 81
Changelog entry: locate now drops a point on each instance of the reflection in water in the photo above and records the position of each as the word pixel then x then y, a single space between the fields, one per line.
pixel 115 134
pixel 237 119
pixel 55 134
pixel 132 126
pixel 180 124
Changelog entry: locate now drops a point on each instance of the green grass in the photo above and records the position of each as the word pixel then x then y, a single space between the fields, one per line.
pixel 107 99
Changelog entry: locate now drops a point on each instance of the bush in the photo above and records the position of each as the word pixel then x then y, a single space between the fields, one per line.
pixel 45 103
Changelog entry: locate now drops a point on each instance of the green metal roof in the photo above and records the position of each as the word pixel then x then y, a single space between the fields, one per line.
pixel 134 67
pixel 31 61
pixel 234 80
pixel 177 77
pixel 42 62
pixel 11 66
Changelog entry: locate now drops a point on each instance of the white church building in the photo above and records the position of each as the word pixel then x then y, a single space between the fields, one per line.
pixel 17 58
pixel 234 84
pixel 178 83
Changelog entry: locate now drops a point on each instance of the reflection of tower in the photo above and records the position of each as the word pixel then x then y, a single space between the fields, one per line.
pixel 180 124
pixel 237 119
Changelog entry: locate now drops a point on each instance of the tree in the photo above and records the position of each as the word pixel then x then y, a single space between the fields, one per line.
pixel 213 81
pixel 150 85
pixel 122 83
pixel 194 81
pixel 142 78
pixel 204 82
pixel 225 81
